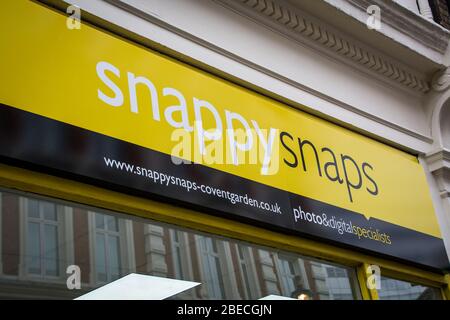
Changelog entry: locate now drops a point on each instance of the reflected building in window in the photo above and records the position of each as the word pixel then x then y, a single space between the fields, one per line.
pixel 40 238
pixel 393 289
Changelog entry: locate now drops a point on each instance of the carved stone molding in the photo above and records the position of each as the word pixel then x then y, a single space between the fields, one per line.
pixel 301 25
pixel 442 177
pixel 409 23
pixel 441 80
pixel 439 165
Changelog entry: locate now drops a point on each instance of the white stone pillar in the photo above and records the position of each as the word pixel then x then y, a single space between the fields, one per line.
pixel 425 9
pixel 437 162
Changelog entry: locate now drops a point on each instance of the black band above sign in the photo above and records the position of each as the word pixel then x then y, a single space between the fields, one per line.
pixel 70 151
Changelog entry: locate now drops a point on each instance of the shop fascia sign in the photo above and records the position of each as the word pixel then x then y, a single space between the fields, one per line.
pixel 106 111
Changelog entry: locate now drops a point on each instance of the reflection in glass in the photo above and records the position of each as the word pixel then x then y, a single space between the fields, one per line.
pixel 177 254
pixel 33 248
pixel 42 256
pixel 111 223
pixel 287 276
pixel 107 246
pixel 51 250
pixel 244 261
pixel 99 221
pixel 33 209
pixel 211 267
pixel 100 258
pixel 114 263
pixel 107 249
pixel 392 289
pixel 49 210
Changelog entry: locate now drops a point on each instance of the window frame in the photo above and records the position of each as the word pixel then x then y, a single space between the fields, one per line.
pixel 177 246
pixel 61 238
pixel 280 269
pixel 124 247
pixel 249 261
pixel 203 250
pixel 105 233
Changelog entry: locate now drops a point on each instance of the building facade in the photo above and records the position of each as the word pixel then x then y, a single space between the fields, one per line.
pixel 367 77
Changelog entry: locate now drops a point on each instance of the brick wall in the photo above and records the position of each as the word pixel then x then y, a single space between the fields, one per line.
pixel 440 9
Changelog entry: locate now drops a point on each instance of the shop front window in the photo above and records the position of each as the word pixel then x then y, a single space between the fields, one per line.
pixel 247 271
pixel 337 283
pixel 42 249
pixel 392 289
pixel 107 246
pixel 287 276
pixel 212 269
pixel 177 254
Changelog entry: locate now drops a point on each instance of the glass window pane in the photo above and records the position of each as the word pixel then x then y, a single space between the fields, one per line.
pixel 177 263
pixel 99 221
pixel 338 285
pixel 219 275
pixel 240 252
pixel 212 272
pixel 33 208
pixel 287 277
pixel 246 277
pixel 100 258
pixel 392 289
pixel 177 254
pixel 49 210
pixel 112 224
pixel 214 245
pixel 33 248
pixel 51 250
pixel 226 268
pixel 114 257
